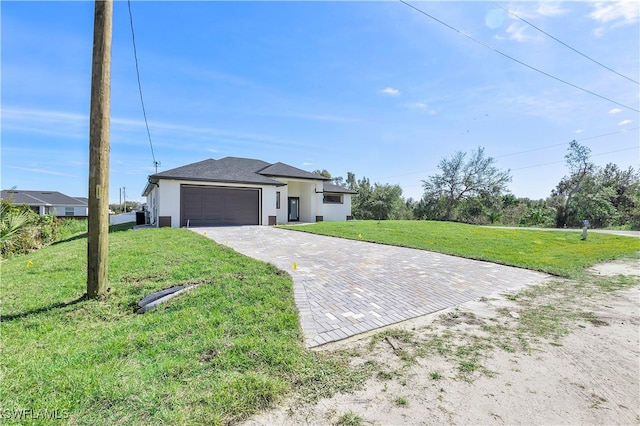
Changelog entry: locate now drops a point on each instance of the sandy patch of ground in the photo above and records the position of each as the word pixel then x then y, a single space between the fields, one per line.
pixel 561 353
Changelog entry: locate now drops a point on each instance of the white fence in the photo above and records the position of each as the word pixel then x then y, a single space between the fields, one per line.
pixel 117 219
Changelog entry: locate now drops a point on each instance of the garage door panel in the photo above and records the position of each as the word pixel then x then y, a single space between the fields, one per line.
pixel 208 206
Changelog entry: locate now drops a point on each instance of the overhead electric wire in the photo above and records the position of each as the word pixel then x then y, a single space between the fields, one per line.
pixel 144 112
pixel 516 60
pixel 529 150
pixel 565 143
pixel 563 161
pixel 548 164
pixel 563 43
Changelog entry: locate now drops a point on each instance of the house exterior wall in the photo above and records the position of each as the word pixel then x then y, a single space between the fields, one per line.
pixel 282 212
pixel 164 199
pixel 310 194
pixel 338 212
pixel 61 211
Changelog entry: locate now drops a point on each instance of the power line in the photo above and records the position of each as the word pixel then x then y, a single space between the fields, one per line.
pixel 517 60
pixel 527 151
pixel 144 112
pixel 565 143
pixel 562 161
pixel 553 162
pixel 563 43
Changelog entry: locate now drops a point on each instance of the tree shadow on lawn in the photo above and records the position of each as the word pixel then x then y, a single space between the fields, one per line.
pixel 11 317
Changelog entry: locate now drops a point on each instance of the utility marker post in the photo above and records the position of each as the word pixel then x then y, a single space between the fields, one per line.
pixel 98 233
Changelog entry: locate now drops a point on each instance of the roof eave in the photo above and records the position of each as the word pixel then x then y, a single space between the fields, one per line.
pixel 157 178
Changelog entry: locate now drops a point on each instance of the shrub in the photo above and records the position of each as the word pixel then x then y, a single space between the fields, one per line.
pixel 22 230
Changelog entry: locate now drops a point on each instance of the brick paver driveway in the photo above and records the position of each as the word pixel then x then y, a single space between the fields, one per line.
pixel 344 287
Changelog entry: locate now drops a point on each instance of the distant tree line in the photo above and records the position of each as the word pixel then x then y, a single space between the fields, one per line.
pixel 470 188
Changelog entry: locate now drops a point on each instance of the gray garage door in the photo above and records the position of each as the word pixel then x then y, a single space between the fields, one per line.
pixel 206 206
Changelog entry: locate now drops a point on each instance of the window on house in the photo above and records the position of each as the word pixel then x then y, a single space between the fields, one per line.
pixel 68 211
pixel 277 199
pixel 332 199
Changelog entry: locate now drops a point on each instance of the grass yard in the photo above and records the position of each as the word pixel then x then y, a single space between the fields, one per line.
pixel 213 355
pixel 556 252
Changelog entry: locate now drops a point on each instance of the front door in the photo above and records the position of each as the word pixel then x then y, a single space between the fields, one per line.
pixel 294 209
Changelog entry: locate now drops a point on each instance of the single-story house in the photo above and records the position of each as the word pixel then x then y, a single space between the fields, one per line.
pixel 49 202
pixel 243 191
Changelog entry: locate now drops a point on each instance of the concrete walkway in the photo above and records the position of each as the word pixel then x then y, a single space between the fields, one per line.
pixel 345 287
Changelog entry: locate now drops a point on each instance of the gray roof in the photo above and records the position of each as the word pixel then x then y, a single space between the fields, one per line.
pixel 329 187
pixel 228 169
pixel 285 170
pixel 41 198
pixel 234 170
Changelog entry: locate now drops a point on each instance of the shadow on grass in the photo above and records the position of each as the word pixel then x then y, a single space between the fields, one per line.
pixel 112 229
pixel 20 315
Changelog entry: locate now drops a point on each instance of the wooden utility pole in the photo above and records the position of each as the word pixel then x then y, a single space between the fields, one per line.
pixel 98 241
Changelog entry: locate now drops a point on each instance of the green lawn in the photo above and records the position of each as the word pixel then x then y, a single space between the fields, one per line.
pixel 556 252
pixel 213 355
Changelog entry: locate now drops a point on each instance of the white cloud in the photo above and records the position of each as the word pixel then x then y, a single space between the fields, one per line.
pixel 525 10
pixel 391 91
pixel 212 150
pixel 615 14
pixel 516 32
pixel 579 131
pixel 624 122
pixel 306 163
pixel 422 107
pixel 614 110
pixel 551 9
pixel 43 171
pixel 627 12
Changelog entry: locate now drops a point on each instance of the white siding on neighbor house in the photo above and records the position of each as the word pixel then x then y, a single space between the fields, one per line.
pixel 334 212
pixel 167 199
pixel 61 211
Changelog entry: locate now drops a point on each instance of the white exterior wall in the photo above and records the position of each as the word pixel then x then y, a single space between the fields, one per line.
pixel 282 212
pixel 117 219
pixel 338 212
pixel 164 200
pixel 167 199
pixel 269 203
pixel 60 211
pixel 310 194
pixel 152 206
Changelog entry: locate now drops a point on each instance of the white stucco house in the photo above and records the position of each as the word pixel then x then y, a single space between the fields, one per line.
pixel 243 191
pixel 48 202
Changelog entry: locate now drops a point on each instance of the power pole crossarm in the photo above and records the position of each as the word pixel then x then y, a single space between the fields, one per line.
pixel 98 232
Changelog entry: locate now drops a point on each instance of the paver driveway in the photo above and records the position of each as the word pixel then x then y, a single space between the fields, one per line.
pixel 345 287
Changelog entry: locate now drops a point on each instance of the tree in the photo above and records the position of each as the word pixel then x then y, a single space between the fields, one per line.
pixel 322 172
pixel 352 183
pixel 563 196
pixel 386 202
pixel 461 180
pixel 377 201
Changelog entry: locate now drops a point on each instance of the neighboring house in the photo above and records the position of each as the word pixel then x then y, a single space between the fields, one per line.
pixel 242 191
pixel 48 202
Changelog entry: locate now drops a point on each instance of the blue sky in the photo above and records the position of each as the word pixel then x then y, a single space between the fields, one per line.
pixel 374 88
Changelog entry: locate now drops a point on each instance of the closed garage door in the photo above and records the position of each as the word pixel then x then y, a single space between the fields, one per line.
pixel 206 206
